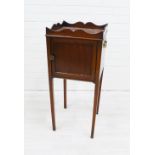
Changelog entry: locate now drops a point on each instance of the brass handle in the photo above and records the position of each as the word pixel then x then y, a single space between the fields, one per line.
pixel 105 44
pixel 52 57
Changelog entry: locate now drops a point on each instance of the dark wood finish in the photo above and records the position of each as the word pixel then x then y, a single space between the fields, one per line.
pixel 65 93
pixel 76 51
pixel 52 103
pixel 95 107
pixel 96 93
pixel 78 30
pixel 72 62
pixel 100 86
pixel 51 88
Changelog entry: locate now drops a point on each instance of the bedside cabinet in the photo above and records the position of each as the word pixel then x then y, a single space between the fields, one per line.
pixel 76 52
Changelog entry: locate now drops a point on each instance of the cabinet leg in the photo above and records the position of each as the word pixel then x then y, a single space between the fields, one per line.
pixel 100 86
pixel 95 107
pixel 52 102
pixel 65 93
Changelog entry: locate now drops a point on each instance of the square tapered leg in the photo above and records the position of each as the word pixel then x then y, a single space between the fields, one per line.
pixel 96 92
pixel 65 93
pixel 99 96
pixel 52 102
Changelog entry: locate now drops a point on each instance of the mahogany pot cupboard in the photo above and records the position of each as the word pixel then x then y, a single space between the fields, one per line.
pixel 76 52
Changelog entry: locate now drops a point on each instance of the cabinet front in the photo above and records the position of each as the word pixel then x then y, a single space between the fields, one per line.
pixel 73 58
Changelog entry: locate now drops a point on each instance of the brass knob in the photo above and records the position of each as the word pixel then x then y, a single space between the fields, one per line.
pixel 105 44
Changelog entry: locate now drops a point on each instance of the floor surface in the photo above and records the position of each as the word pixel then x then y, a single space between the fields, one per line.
pixel 73 124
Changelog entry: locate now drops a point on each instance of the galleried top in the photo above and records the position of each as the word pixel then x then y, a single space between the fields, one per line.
pixel 78 30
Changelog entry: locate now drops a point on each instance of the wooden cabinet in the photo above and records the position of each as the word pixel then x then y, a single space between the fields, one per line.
pixel 76 51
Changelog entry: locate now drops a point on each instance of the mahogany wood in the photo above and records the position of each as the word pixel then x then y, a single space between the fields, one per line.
pixel 95 107
pixel 52 103
pixel 65 93
pixel 100 85
pixel 75 51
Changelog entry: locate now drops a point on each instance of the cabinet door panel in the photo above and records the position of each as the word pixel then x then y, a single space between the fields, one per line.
pixel 74 58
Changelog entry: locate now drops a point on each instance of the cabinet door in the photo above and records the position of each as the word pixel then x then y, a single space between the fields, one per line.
pixel 73 58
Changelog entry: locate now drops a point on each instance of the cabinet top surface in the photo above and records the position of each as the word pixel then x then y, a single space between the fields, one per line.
pixel 78 30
